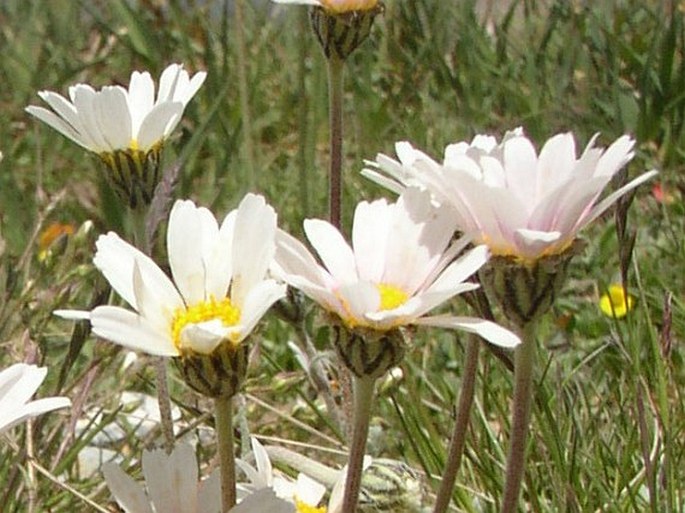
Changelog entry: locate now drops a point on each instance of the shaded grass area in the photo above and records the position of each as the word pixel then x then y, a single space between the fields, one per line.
pixel 609 414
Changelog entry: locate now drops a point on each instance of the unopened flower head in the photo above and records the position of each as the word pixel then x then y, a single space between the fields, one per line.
pixel 519 203
pixel 220 288
pixel 398 268
pixel 17 384
pixel 126 127
pixel 340 25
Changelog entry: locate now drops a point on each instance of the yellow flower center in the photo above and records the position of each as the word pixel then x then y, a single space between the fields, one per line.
pixel 306 508
pixel 222 310
pixel 616 303
pixel 391 296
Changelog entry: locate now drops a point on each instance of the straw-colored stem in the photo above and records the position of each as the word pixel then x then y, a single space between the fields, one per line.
pixel 164 403
pixel 524 359
pixel 223 418
pixel 335 97
pixel 363 400
pixel 458 439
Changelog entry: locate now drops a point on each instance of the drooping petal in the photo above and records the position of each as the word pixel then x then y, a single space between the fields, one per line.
pixel 493 333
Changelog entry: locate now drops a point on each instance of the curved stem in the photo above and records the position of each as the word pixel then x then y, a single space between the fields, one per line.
pixel 335 94
pixel 523 394
pixel 461 423
pixel 363 399
pixel 223 418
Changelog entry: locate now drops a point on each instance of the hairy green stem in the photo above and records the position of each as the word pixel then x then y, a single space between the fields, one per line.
pixel 461 423
pixel 335 94
pixel 524 359
pixel 223 418
pixel 363 400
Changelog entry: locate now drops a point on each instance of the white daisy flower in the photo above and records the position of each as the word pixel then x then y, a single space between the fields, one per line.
pixel 399 267
pixel 507 196
pixel 219 292
pixel 17 384
pixel 115 118
pixel 305 493
pixel 171 484
pixel 125 127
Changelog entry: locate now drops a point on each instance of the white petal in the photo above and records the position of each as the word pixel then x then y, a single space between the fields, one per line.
pixel 190 235
pixel 60 125
pixel 520 162
pixel 209 494
pixel 335 253
pixel 370 238
pixel 204 337
pixel 84 98
pixel 172 479
pixel 113 118
pixel 461 269
pixel 294 259
pixel 253 245
pixel 130 330
pixel 493 333
pixel 141 95
pixel 256 304
pixel 128 494
pixel 115 259
pixel 158 124
pixel 309 491
pixel 263 501
pixel 220 259
pixel 599 209
pixel 9 419
pixel 556 163
pixel 73 315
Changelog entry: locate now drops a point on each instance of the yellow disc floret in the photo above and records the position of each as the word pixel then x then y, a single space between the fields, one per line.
pixel 222 310
pixel 303 507
pixel 391 296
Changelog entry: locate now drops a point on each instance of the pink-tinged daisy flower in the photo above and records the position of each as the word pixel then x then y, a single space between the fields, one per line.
pixel 399 267
pixel 17 384
pixel 518 202
pixel 220 288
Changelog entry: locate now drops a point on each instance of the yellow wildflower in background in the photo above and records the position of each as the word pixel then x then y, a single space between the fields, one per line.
pixel 616 303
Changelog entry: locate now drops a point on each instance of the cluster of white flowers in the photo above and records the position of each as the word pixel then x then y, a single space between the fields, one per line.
pixel 402 263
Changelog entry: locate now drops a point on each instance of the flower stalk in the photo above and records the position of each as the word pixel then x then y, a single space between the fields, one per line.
pixel 223 417
pixel 461 423
pixel 363 401
pixel 336 68
pixel 524 358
